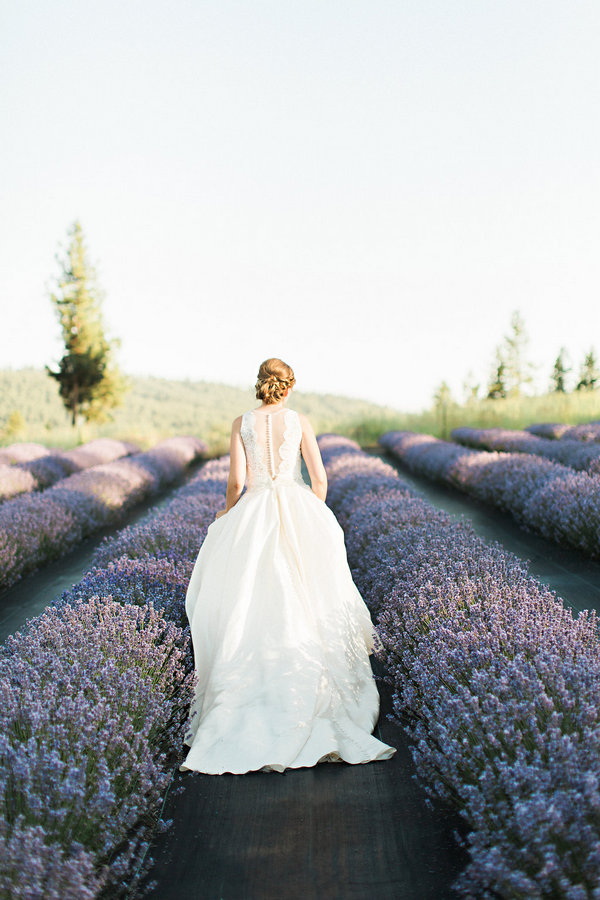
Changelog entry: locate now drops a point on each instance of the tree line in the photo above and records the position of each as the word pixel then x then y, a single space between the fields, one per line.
pixel 511 371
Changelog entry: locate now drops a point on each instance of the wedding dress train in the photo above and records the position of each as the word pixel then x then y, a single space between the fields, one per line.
pixel 281 635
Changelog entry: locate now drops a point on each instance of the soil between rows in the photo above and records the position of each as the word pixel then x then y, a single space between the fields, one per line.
pixel 331 832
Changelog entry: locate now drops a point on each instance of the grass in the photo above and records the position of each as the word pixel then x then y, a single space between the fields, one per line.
pixel 513 412
pixel 158 407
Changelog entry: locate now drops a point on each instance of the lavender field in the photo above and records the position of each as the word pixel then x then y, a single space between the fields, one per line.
pixel 95 696
pixel 38 527
pixel 586 431
pixel 495 681
pixel 554 500
pixel 31 467
pixel 580 454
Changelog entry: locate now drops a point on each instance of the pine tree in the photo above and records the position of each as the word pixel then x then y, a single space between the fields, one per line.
pixel 470 389
pixel 518 370
pixel 559 371
pixel 497 384
pixel 589 374
pixel 442 400
pixel 89 379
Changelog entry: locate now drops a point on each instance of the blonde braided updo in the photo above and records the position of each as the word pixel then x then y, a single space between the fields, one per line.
pixel 274 378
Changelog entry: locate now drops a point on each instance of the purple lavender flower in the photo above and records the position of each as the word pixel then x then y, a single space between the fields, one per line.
pixel 18 453
pixel 574 453
pixel 589 431
pixel 35 528
pixel 495 681
pixel 543 496
pixel 44 470
pixel 94 704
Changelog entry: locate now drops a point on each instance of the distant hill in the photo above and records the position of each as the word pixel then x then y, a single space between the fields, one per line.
pixel 159 407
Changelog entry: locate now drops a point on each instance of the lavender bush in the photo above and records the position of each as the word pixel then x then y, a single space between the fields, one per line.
pixel 497 684
pixel 95 697
pixel 35 528
pixel 15 480
pixel 23 452
pixel 552 430
pixel 98 451
pixel 45 470
pixel 176 531
pixel 543 496
pixel 573 453
pixel 589 431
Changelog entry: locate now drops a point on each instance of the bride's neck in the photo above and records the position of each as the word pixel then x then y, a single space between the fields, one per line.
pixel 272 407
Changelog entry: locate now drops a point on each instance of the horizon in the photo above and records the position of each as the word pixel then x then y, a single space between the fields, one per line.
pixel 186 380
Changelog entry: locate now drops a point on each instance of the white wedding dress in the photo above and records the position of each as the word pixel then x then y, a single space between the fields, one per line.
pixel 280 633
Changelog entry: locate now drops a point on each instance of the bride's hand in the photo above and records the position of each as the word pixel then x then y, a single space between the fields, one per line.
pixel 220 513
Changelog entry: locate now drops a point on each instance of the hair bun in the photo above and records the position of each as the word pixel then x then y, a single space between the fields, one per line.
pixel 274 378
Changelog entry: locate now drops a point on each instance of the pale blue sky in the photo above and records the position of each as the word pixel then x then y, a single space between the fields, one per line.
pixel 366 189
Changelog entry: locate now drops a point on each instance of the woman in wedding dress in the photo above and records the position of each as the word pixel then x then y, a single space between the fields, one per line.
pixel 280 633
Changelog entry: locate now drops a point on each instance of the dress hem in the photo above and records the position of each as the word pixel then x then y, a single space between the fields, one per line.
pixel 333 756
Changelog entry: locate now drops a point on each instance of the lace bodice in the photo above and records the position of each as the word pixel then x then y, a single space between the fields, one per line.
pixel 272 443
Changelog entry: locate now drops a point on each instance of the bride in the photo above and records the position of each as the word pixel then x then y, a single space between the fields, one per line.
pixel 280 633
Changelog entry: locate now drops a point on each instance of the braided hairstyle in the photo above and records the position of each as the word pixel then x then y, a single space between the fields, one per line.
pixel 274 378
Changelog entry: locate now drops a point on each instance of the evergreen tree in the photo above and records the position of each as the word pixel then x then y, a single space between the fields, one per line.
pixel 470 389
pixel 558 373
pixel 589 374
pixel 497 384
pixel 518 370
pixel 442 400
pixel 90 381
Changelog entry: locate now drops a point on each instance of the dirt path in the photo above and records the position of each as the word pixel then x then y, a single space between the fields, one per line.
pixel 331 832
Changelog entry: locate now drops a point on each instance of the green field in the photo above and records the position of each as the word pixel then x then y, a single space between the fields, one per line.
pixel 158 407
pixel 513 412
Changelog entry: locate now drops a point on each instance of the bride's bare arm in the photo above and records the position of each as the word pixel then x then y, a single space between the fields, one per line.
pixel 312 458
pixel 237 467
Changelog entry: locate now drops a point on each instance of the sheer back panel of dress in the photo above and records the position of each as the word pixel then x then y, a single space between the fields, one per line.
pixel 270 431
pixel 272 442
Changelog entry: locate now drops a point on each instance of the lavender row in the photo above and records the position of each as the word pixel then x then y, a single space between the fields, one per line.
pixel 95 698
pixel 175 532
pixel 589 431
pixel 496 683
pixel 35 528
pixel 22 452
pixel 576 454
pixel 543 496
pixel 46 470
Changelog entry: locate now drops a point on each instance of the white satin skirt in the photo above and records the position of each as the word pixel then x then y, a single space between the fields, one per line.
pixel 281 639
